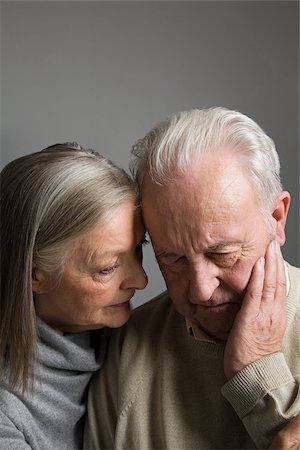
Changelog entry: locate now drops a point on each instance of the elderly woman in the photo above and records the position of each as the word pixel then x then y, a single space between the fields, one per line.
pixel 71 238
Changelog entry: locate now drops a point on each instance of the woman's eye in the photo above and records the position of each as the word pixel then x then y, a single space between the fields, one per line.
pixel 109 270
pixel 139 248
pixel 141 244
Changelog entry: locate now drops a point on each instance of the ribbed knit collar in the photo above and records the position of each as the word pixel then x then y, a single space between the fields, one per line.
pixel 83 352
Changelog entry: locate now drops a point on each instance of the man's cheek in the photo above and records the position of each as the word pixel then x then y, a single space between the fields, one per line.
pixel 242 276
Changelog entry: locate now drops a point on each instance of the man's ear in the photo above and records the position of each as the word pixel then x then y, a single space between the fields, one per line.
pixel 280 215
pixel 39 281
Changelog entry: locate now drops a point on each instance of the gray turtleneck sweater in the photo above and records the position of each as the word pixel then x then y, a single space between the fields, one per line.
pixel 52 416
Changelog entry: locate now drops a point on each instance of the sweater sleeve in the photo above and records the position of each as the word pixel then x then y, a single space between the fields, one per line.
pixel 10 436
pixel 265 395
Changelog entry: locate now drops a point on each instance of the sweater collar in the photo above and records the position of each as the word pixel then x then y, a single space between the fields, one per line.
pixel 83 352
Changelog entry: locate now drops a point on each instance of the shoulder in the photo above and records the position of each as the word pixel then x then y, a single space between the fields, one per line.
pixel 161 304
pixel 294 275
pixel 153 317
pixel 16 422
pixel 291 347
pixel 12 410
pixel 293 300
pixel 150 326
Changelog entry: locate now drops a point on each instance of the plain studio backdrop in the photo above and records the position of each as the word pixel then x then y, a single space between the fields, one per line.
pixel 103 73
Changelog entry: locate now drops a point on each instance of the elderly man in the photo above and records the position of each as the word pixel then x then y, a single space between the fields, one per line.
pixel 214 362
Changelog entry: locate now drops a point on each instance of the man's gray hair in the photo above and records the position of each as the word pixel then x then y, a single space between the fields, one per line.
pixel 173 146
pixel 48 199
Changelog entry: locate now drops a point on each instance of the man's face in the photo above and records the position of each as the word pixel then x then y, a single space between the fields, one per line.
pixel 207 233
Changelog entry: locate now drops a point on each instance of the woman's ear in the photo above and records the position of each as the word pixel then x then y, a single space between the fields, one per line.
pixel 39 281
pixel 280 215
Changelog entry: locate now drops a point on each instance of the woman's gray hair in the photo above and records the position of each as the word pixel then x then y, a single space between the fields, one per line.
pixel 48 199
pixel 175 145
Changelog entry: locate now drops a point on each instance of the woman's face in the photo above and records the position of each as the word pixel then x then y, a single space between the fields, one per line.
pixel 100 277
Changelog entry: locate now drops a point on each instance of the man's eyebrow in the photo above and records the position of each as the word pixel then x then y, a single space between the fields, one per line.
pixel 222 245
pixel 216 247
pixel 166 255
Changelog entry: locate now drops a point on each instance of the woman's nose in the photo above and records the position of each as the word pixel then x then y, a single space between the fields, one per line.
pixel 136 277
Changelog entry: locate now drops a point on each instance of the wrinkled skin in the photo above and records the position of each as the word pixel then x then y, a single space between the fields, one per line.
pixel 262 314
pixel 220 257
pixel 289 437
pixel 101 273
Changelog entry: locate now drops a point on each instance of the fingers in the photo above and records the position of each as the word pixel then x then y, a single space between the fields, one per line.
pixel 252 299
pixel 281 277
pixel 274 290
pixel 267 285
pixel 260 324
pixel 275 273
pixel 270 280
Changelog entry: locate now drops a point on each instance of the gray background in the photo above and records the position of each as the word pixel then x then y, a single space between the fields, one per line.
pixel 103 73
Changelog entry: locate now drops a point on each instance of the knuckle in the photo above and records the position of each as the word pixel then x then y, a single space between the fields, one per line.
pixel 255 295
pixel 269 289
pixel 282 284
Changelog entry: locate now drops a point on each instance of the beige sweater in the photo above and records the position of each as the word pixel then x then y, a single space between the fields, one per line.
pixel 160 388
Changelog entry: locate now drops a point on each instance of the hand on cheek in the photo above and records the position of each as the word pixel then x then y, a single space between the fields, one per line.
pixel 260 324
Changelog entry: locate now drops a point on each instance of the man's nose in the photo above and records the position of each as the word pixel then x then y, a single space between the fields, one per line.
pixel 203 281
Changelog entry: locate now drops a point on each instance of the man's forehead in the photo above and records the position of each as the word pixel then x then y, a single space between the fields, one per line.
pixel 181 215
pixel 191 193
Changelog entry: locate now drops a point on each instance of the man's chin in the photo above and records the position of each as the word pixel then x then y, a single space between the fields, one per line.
pixel 217 321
